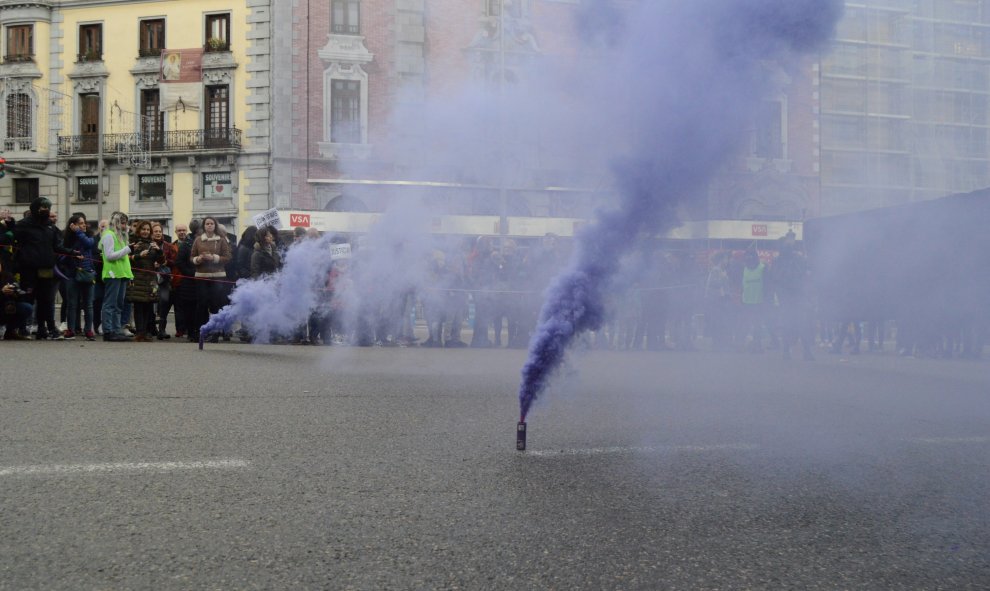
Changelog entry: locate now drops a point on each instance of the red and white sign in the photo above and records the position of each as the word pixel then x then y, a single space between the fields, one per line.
pixel 299 220
pixel 760 230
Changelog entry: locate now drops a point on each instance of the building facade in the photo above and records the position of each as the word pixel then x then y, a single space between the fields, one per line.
pixel 90 121
pixel 344 66
pixel 292 102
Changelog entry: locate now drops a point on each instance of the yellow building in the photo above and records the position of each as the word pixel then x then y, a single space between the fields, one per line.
pixel 173 94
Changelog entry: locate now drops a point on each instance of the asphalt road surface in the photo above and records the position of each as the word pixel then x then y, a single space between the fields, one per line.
pixel 158 466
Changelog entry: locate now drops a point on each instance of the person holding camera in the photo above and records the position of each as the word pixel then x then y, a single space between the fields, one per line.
pixel 15 307
pixel 36 244
pixel 146 256
pixel 80 281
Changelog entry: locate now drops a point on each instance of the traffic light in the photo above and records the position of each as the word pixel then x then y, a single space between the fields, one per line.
pixel 3 167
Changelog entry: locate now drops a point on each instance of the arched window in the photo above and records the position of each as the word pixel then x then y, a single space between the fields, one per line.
pixel 19 125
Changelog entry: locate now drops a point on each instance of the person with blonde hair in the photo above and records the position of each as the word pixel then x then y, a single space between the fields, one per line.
pixel 116 275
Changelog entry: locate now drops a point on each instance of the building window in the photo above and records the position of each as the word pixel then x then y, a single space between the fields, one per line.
pixel 151 187
pixel 153 121
pixel 217 132
pixel 768 132
pixel 19 125
pixel 87 188
pixel 493 7
pixel 218 32
pixel 20 43
pixel 89 122
pixel 25 190
pixel 90 43
pixel 152 37
pixel 346 17
pixel 345 112
pixel 216 185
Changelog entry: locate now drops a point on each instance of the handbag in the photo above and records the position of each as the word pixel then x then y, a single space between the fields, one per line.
pixel 85 275
pixel 164 274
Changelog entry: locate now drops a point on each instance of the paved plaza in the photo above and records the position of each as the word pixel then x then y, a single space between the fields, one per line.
pixel 159 466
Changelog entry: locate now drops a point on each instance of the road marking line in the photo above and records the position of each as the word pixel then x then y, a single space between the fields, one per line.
pixel 593 451
pixel 949 440
pixel 63 469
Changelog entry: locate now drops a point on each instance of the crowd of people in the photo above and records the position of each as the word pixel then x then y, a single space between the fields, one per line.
pixel 120 280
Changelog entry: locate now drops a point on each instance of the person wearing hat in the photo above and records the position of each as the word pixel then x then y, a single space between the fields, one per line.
pixel 36 244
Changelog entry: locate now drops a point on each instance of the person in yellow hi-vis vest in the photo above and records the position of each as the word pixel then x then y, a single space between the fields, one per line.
pixel 752 299
pixel 116 275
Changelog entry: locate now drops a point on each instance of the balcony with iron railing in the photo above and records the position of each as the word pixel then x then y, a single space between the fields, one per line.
pixel 226 139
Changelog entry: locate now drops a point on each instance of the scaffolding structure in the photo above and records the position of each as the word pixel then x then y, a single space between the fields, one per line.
pixel 905 103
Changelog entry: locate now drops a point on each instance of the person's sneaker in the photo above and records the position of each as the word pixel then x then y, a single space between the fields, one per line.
pixel 90 336
pixel 179 334
pixel 63 327
pixel 68 335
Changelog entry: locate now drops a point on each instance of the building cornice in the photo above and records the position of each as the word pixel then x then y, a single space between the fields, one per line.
pixel 20 70
pixel 346 48
pixel 37 11
pixel 69 4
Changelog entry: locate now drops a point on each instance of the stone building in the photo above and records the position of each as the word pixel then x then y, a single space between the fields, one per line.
pixel 84 78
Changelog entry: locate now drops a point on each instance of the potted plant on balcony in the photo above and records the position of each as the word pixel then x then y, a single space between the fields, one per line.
pixel 216 44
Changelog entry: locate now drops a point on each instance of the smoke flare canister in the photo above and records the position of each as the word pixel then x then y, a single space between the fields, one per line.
pixel 202 338
pixel 521 436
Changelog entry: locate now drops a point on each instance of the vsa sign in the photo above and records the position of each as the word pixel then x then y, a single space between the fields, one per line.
pixel 298 220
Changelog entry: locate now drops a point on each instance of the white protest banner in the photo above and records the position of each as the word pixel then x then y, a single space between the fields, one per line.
pixel 268 218
pixel 340 251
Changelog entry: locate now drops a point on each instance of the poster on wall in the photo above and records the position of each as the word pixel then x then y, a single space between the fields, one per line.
pixel 180 79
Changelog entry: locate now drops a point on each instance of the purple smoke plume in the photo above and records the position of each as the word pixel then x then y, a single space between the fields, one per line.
pixel 276 304
pixel 684 80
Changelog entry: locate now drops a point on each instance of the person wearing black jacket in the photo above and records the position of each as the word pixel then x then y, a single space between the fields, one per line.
pixel 36 244
pixel 15 306
pixel 244 252
pixel 185 304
